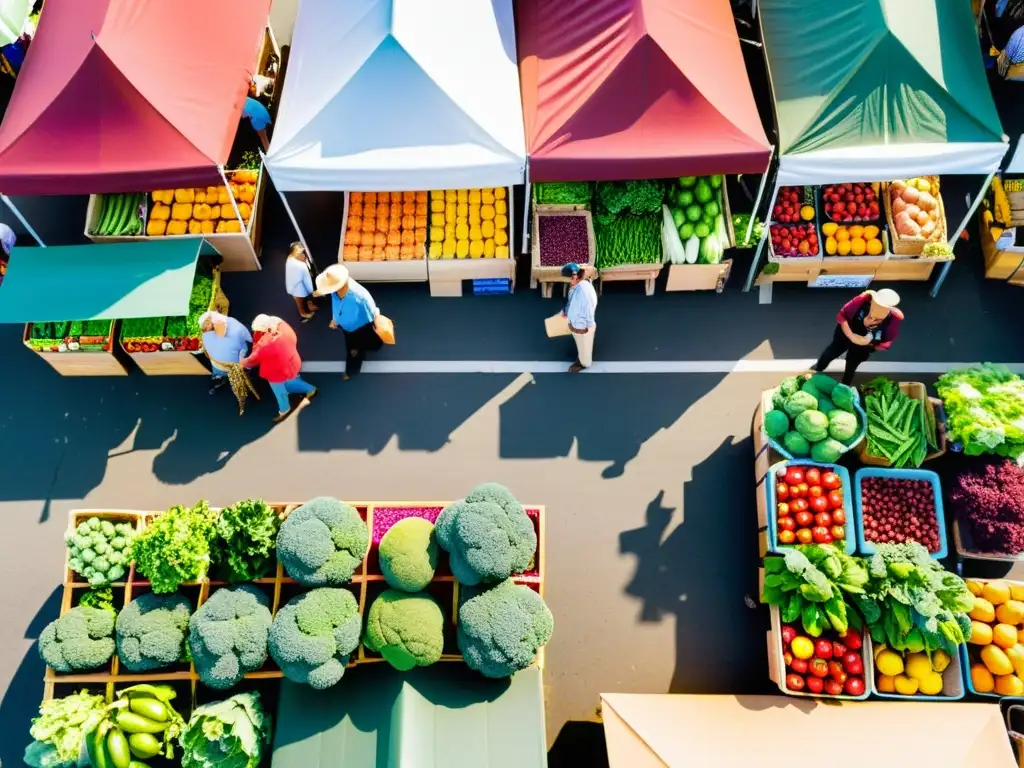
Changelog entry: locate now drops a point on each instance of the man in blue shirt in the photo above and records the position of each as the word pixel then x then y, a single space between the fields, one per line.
pixel 353 309
pixel 259 117
pixel 226 341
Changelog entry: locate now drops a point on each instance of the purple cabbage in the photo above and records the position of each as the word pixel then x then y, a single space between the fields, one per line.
pixel 988 499
pixel 562 239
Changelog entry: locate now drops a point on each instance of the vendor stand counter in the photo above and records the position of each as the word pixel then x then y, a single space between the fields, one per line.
pixel 1004 258
pixel 396 271
pixel 97 360
pixel 658 730
pixel 365 585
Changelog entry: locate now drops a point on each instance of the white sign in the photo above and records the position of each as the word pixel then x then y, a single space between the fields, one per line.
pixel 840 281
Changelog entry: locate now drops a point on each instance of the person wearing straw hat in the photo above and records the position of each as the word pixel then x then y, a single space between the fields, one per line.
pixel 354 311
pixel 865 324
pixel 275 352
pixel 580 309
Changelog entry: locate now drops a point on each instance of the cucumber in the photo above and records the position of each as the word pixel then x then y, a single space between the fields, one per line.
pixel 129 722
pixel 127 212
pixel 104 206
pixel 114 215
pixel 96 749
pixel 109 204
pixel 149 708
pixel 144 745
pixel 117 748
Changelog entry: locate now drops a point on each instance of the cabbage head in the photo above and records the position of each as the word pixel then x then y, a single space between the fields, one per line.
pixel 775 424
pixel 813 425
pixel 827 451
pixel 799 402
pixel 796 444
pixel 842 425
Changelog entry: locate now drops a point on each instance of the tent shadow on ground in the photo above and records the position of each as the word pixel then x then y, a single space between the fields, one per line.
pixel 594 411
pixel 579 743
pixel 701 573
pixel 21 700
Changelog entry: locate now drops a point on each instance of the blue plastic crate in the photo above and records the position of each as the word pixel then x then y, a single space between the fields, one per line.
pixel 867 547
pixel 491 285
pixel 954 683
pixel 862 419
pixel 844 476
pixel 965 663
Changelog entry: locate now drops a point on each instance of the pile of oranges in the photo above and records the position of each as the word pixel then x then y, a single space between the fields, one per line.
pixel 855 240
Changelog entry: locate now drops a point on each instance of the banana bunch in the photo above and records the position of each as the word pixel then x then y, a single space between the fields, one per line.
pixel 140 725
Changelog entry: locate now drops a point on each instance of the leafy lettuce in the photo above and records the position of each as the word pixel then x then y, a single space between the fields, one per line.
pixel 984 409
pixel 60 727
pixel 227 734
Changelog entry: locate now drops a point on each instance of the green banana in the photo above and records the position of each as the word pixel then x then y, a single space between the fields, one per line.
pixel 133 723
pixel 109 204
pixel 137 764
pixel 149 708
pixel 144 745
pixel 96 747
pixel 103 201
pixel 162 692
pixel 127 211
pixel 117 748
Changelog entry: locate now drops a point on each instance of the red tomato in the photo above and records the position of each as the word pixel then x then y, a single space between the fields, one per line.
pixel 835 499
pixel 799 666
pixel 821 535
pixel 836 671
pixel 794 475
pixel 854 686
pixel 783 509
pixel 823 650
pixel 804 536
pixel 786 524
pixel 819 506
pixel 852 639
pixel 838 532
pixel 818 668
pixel 852 663
pixel 804 518
pixel 799 505
pixel 823 519
pixel 786 537
pixel 833 688
pixel 801 489
pixel 788 633
pixel 787 657
pixel 831 480
pixel 838 649
pixel 812 476
pixel 815 491
pixel 815 684
pixel 781 491
pixel 794 682
pixel 839 516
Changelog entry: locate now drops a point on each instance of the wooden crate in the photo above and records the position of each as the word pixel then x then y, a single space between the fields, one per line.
pixel 548 276
pixel 402 271
pixel 647 273
pixel 919 392
pixel 801 270
pixel 913 246
pixel 897 268
pixel 697 277
pixel 83 362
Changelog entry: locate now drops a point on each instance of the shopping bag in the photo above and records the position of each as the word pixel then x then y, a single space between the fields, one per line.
pixel 557 325
pixel 385 329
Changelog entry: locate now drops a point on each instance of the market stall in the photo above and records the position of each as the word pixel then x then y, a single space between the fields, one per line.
pixel 866 135
pixel 621 94
pixel 388 590
pixel 119 100
pixel 76 331
pixel 420 160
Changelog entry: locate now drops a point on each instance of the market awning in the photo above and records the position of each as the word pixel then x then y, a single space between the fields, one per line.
pixel 122 96
pixel 444 716
pixel 400 95
pixel 868 90
pixel 13 15
pixel 658 730
pixel 99 282
pixel 636 89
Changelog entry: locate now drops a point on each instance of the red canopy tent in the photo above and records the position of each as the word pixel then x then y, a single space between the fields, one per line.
pixel 125 96
pixel 636 89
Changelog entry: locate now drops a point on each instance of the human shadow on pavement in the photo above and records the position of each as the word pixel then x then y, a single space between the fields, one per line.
pixel 579 743
pixel 609 417
pixel 702 573
pixel 21 699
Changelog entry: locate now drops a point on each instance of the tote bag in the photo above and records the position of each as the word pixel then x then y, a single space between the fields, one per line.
pixel 385 329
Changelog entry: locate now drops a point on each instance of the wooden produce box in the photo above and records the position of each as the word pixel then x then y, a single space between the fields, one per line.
pixel 913 246
pixel 446 276
pixel 548 276
pixel 919 392
pixel 794 270
pixel 107 362
pixel 647 273
pixel 175 362
pixel 896 268
pixel 401 271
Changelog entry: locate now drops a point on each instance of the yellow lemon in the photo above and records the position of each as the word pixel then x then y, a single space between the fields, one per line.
pixel 886 684
pixel 996 592
pixel 889 663
pixel 983 610
pixel 931 684
pixel 831 246
pixel 1009 685
pixel 874 246
pixel 995 659
pixel 918 666
pixel 807 213
pixel 829 228
pixel 940 660
pixel 870 232
pixel 842 234
pixel 1016 656
pixel 906 686
pixel 974 587
pixel 1016 591
pixel 1004 635
pixel 856 231
pixel 844 247
pixel 982 679
pixel 1010 612
pixel 858 246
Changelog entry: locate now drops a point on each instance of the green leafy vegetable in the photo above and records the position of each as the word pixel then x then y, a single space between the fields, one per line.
pixel 984 409
pixel 896 427
pixel 143 328
pixel 246 534
pixel 60 727
pixel 564 193
pixel 99 597
pixel 226 734
pixel 629 240
pixel 740 222
pixel 174 547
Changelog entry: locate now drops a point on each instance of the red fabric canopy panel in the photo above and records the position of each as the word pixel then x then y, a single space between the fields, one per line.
pixel 635 89
pixel 126 96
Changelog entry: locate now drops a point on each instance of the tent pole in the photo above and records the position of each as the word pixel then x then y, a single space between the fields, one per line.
pixel 24 222
pixel 526 209
pixel 760 246
pixel 972 209
pixel 760 194
pixel 291 215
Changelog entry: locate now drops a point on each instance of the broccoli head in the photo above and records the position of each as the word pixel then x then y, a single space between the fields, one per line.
pixel 151 631
pixel 501 629
pixel 227 636
pixel 322 542
pixel 407 630
pixel 488 535
pixel 408 554
pixel 81 639
pixel 314 634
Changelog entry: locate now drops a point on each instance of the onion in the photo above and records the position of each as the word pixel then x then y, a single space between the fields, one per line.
pixel 911 194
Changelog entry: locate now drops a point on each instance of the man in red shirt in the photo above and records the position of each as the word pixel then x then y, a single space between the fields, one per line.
pixel 274 350
pixel 864 324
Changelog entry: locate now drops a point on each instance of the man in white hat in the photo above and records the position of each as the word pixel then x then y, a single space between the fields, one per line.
pixel 354 311
pixel 866 323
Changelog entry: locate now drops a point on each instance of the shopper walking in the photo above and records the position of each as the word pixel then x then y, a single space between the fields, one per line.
pixel 580 310
pixel 298 281
pixel 225 341
pixel 354 311
pixel 259 117
pixel 275 351
pixel 865 324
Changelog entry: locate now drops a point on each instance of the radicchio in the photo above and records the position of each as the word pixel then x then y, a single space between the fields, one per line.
pixel 988 499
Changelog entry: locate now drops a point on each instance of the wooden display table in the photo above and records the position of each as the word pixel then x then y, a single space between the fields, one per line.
pixel 83 362
pixel 547 277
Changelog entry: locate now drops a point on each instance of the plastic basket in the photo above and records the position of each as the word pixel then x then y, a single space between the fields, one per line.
pixel 850 542
pixel 779 448
pixel 952 683
pixel 867 547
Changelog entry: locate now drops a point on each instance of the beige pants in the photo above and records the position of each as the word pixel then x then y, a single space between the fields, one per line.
pixel 585 346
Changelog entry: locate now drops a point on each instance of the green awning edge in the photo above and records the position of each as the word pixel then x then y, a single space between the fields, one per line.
pixel 101 281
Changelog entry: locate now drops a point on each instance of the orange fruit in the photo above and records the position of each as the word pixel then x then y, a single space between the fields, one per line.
pixel 874 246
pixel 870 232
pixel 829 228
pixel 804 247
pixel 858 246
pixel 844 248
pixel 831 246
pixel 856 231
pixel 842 233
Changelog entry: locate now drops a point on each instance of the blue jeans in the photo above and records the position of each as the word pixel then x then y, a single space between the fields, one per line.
pixel 294 386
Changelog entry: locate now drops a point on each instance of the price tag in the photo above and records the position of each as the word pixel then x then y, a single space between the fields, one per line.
pixel 841 281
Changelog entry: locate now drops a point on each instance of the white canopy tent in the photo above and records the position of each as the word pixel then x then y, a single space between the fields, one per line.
pixel 1016 165
pixel 400 95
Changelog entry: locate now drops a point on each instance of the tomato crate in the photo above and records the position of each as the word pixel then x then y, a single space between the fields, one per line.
pixel 866 547
pixel 850 541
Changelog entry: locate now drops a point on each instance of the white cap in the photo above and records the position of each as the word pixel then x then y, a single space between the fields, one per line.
pixel 886 297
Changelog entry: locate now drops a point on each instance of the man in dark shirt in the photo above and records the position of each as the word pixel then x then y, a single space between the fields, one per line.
pixel 864 324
